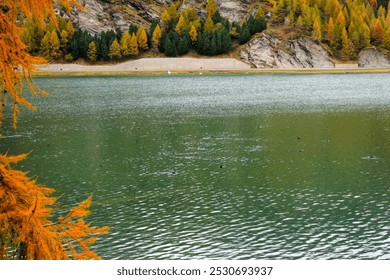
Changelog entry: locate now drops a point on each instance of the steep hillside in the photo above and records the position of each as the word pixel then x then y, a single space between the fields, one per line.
pixel 300 33
pixel 104 15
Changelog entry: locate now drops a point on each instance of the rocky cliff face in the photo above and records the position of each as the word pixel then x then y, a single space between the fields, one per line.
pixel 233 10
pixel 270 52
pixel 373 58
pixel 264 52
pixel 103 15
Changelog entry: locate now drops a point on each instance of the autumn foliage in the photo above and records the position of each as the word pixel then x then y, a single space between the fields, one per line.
pixel 28 227
pixel 346 27
pixel 16 64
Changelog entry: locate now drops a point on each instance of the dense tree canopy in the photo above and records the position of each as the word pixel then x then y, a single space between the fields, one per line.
pixel 345 26
pixel 180 26
pixel 366 22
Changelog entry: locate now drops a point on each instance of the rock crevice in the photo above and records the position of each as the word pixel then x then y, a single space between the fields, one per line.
pixel 103 15
pixel 271 52
pixel 373 58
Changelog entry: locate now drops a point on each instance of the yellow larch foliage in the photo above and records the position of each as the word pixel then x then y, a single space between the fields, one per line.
pixel 142 38
pixel 16 64
pixel 165 17
pixel 234 33
pixel 208 25
pixel 32 35
pixel 192 17
pixel 299 23
pixel 317 33
pixel 340 18
pixel 125 44
pixel 46 45
pixel 92 52
pixel 377 32
pixel 172 10
pixel 259 13
pixel 156 35
pixel 388 14
pixel 64 39
pixel 70 28
pixel 54 45
pixel 115 50
pixel 366 34
pixel 134 49
pixel 182 25
pixel 332 8
pixel 307 17
pixel 345 51
pixel 61 22
pixel 211 8
pixel 330 31
pixel 193 34
pixel 386 39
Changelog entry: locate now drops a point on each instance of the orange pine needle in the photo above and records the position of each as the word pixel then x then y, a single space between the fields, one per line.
pixel 27 229
pixel 26 223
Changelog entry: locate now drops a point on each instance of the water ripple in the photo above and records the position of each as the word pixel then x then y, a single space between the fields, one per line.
pixel 203 172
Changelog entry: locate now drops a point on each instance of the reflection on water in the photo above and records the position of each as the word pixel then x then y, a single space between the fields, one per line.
pixel 219 167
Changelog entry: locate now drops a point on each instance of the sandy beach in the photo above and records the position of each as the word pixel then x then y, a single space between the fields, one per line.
pixel 154 64
pixel 186 66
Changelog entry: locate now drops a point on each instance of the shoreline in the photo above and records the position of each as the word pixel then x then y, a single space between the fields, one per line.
pixel 187 66
pixel 212 72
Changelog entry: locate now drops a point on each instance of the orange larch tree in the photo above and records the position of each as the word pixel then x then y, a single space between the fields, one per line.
pixel 377 32
pixel 16 64
pixel 28 228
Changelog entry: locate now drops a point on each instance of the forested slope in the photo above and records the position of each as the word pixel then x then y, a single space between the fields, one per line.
pixel 120 30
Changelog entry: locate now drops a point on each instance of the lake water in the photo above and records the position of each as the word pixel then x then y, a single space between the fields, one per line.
pixel 221 166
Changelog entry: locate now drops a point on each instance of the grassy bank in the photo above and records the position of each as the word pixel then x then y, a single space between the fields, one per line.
pixel 211 72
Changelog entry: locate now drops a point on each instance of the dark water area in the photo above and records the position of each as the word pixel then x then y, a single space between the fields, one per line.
pixel 218 167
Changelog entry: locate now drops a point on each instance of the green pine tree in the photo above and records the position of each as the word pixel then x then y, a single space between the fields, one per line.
pixel 184 45
pixel 170 48
pixel 245 35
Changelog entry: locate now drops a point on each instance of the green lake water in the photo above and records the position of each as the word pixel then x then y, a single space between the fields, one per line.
pixel 221 166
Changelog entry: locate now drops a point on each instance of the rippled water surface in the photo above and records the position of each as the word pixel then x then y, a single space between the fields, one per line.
pixel 219 167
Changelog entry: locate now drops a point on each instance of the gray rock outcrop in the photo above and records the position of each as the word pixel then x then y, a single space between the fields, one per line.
pixel 233 10
pixel 271 52
pixel 373 58
pixel 103 15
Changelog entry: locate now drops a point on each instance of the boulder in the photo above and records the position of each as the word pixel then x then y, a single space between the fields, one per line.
pixel 270 52
pixel 373 58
